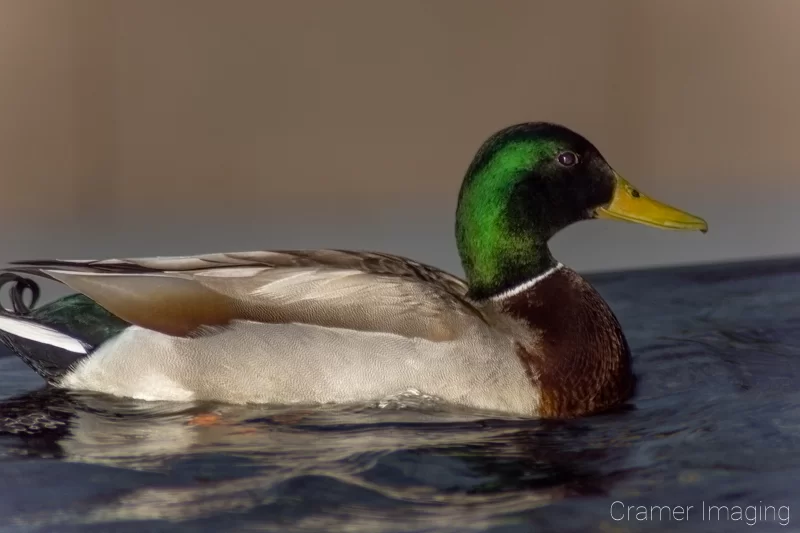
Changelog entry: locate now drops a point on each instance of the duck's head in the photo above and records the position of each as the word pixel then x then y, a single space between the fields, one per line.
pixel 526 183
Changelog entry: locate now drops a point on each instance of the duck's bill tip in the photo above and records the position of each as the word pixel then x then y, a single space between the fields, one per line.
pixel 630 205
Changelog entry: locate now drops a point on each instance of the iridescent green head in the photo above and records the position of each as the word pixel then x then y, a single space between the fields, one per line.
pixel 525 184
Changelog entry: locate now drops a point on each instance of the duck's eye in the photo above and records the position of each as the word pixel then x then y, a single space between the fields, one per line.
pixel 568 159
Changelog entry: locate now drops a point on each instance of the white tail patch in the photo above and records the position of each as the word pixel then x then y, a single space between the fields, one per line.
pixel 39 333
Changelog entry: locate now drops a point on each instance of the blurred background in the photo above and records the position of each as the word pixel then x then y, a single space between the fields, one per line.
pixel 185 126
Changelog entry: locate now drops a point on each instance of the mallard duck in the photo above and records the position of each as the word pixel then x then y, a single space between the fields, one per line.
pixel 522 334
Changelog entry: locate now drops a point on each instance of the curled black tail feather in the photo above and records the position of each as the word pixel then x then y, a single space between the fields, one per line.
pixel 17 293
pixel 52 338
pixel 49 361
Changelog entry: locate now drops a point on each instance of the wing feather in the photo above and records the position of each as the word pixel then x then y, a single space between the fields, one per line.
pixel 332 288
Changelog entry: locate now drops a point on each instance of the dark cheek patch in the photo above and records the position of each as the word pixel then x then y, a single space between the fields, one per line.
pixel 591 190
pixel 604 184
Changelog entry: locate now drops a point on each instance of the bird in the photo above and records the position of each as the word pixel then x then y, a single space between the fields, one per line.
pixel 520 334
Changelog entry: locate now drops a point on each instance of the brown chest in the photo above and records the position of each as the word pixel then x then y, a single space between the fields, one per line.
pixel 577 354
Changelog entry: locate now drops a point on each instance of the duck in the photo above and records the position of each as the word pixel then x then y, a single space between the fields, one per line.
pixel 520 334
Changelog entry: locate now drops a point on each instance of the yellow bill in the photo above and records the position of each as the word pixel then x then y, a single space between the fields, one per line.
pixel 630 205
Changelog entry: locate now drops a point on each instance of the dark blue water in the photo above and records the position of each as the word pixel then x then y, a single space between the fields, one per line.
pixel 715 421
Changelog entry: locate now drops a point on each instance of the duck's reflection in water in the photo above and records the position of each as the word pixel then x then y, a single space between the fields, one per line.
pixel 358 466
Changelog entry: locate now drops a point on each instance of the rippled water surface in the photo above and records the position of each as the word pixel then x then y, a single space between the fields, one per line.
pixel 715 421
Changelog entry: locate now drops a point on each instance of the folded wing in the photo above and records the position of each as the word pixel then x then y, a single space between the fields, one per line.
pixel 351 290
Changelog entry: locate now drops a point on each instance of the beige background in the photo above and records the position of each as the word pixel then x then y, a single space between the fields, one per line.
pixel 170 127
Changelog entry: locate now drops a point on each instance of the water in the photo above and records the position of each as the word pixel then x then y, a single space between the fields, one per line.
pixel 715 421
